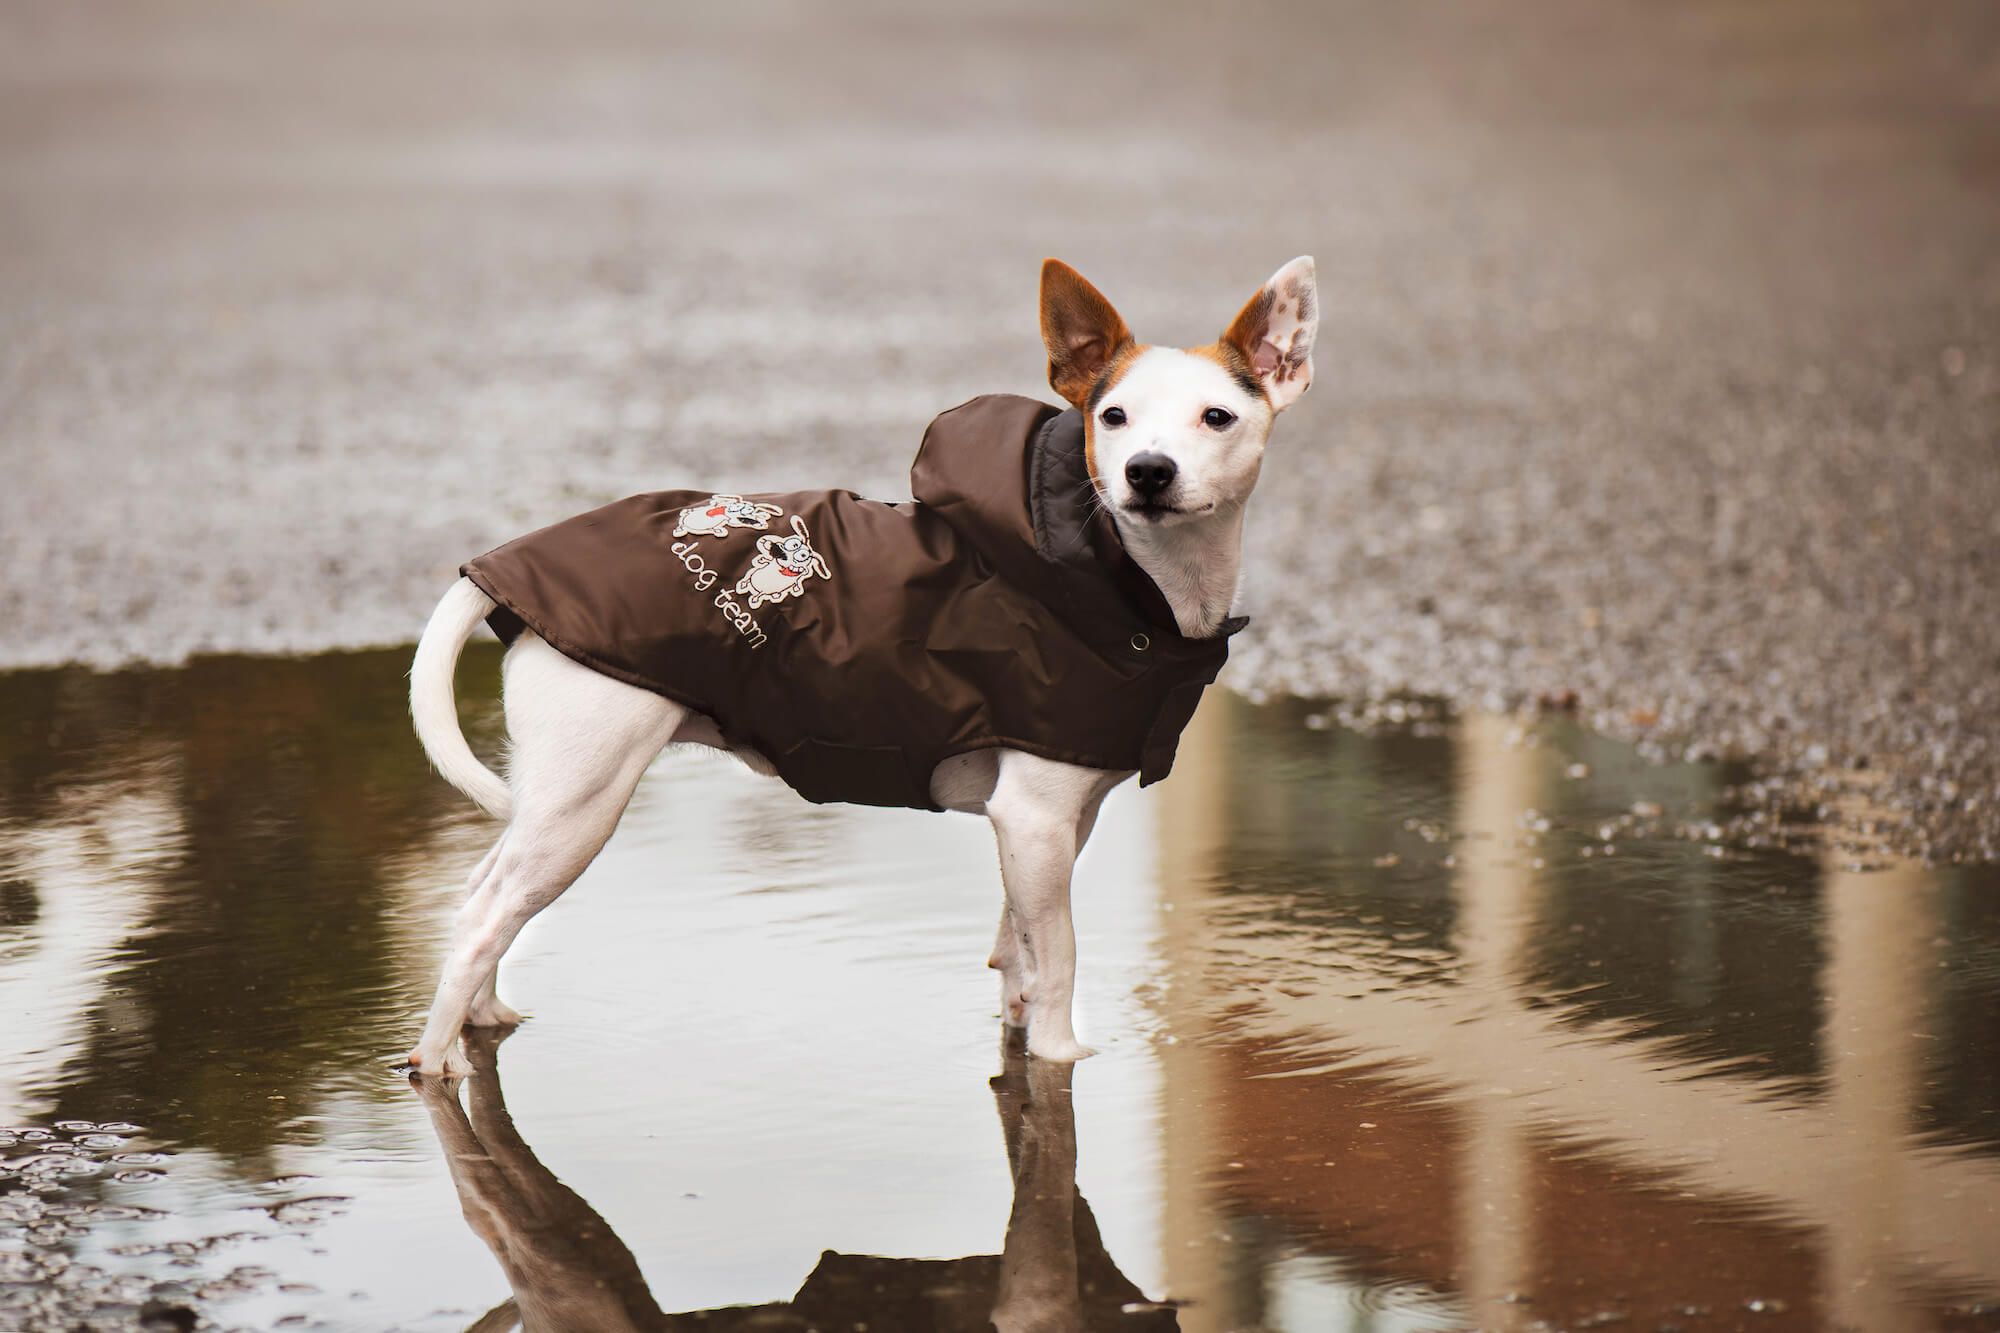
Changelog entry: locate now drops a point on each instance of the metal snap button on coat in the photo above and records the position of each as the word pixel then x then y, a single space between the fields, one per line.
pixel 1140 643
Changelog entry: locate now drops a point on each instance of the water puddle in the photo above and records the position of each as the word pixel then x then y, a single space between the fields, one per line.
pixel 1437 1026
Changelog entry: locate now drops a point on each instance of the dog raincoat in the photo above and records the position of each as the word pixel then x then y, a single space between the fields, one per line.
pixel 858 644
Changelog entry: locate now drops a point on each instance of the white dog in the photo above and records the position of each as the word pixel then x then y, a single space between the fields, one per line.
pixel 1172 440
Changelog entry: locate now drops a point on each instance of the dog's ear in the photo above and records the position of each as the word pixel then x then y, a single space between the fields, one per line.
pixel 1275 332
pixel 1080 329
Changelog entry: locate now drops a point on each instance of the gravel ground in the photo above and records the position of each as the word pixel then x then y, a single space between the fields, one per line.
pixel 1661 355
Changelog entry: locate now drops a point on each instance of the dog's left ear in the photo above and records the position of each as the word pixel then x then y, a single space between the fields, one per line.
pixel 1275 332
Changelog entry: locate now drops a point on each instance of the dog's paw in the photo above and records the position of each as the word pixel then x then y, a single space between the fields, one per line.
pixel 493 1014
pixel 452 1064
pixel 1067 1050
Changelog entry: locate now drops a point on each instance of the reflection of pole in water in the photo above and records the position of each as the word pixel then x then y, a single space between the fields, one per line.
pixel 1498 893
pixel 68 898
pixel 1497 888
pixel 1826 1202
pixel 1879 968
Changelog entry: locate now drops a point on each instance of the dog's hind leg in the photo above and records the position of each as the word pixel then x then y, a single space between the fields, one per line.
pixel 580 742
pixel 488 1010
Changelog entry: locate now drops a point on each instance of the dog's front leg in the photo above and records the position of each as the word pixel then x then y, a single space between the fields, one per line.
pixel 1038 809
pixel 1036 858
pixel 1008 958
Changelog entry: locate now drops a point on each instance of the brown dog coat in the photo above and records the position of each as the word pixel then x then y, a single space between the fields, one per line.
pixel 858 644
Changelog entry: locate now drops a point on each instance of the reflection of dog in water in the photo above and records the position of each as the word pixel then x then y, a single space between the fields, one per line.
pixel 571 1273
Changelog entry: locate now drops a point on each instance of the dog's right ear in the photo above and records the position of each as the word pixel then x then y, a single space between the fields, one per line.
pixel 1080 329
pixel 1276 329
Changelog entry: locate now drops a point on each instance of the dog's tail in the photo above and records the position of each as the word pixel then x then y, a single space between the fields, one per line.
pixel 434 704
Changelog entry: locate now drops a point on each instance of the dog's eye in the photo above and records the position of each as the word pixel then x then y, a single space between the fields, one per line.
pixel 1112 416
pixel 1217 419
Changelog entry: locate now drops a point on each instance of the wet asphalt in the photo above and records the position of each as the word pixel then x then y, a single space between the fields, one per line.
pixel 1660 363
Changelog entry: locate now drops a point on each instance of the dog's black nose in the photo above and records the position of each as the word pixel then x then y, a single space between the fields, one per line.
pixel 1150 473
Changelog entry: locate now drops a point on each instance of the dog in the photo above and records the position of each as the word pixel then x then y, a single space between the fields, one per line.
pixel 1129 511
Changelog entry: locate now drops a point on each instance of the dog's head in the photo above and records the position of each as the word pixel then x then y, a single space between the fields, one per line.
pixel 1175 436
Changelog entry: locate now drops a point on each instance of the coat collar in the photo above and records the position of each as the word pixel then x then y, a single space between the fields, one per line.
pixel 1009 475
pixel 1072 527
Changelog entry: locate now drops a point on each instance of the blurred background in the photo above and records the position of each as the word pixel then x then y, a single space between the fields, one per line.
pixel 1658 359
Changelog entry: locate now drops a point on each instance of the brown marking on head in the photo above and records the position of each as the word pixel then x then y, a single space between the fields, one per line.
pixel 1231 358
pixel 1114 370
pixel 1084 335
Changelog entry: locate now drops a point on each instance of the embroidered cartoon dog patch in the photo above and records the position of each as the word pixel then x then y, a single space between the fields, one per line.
pixel 723 512
pixel 782 566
